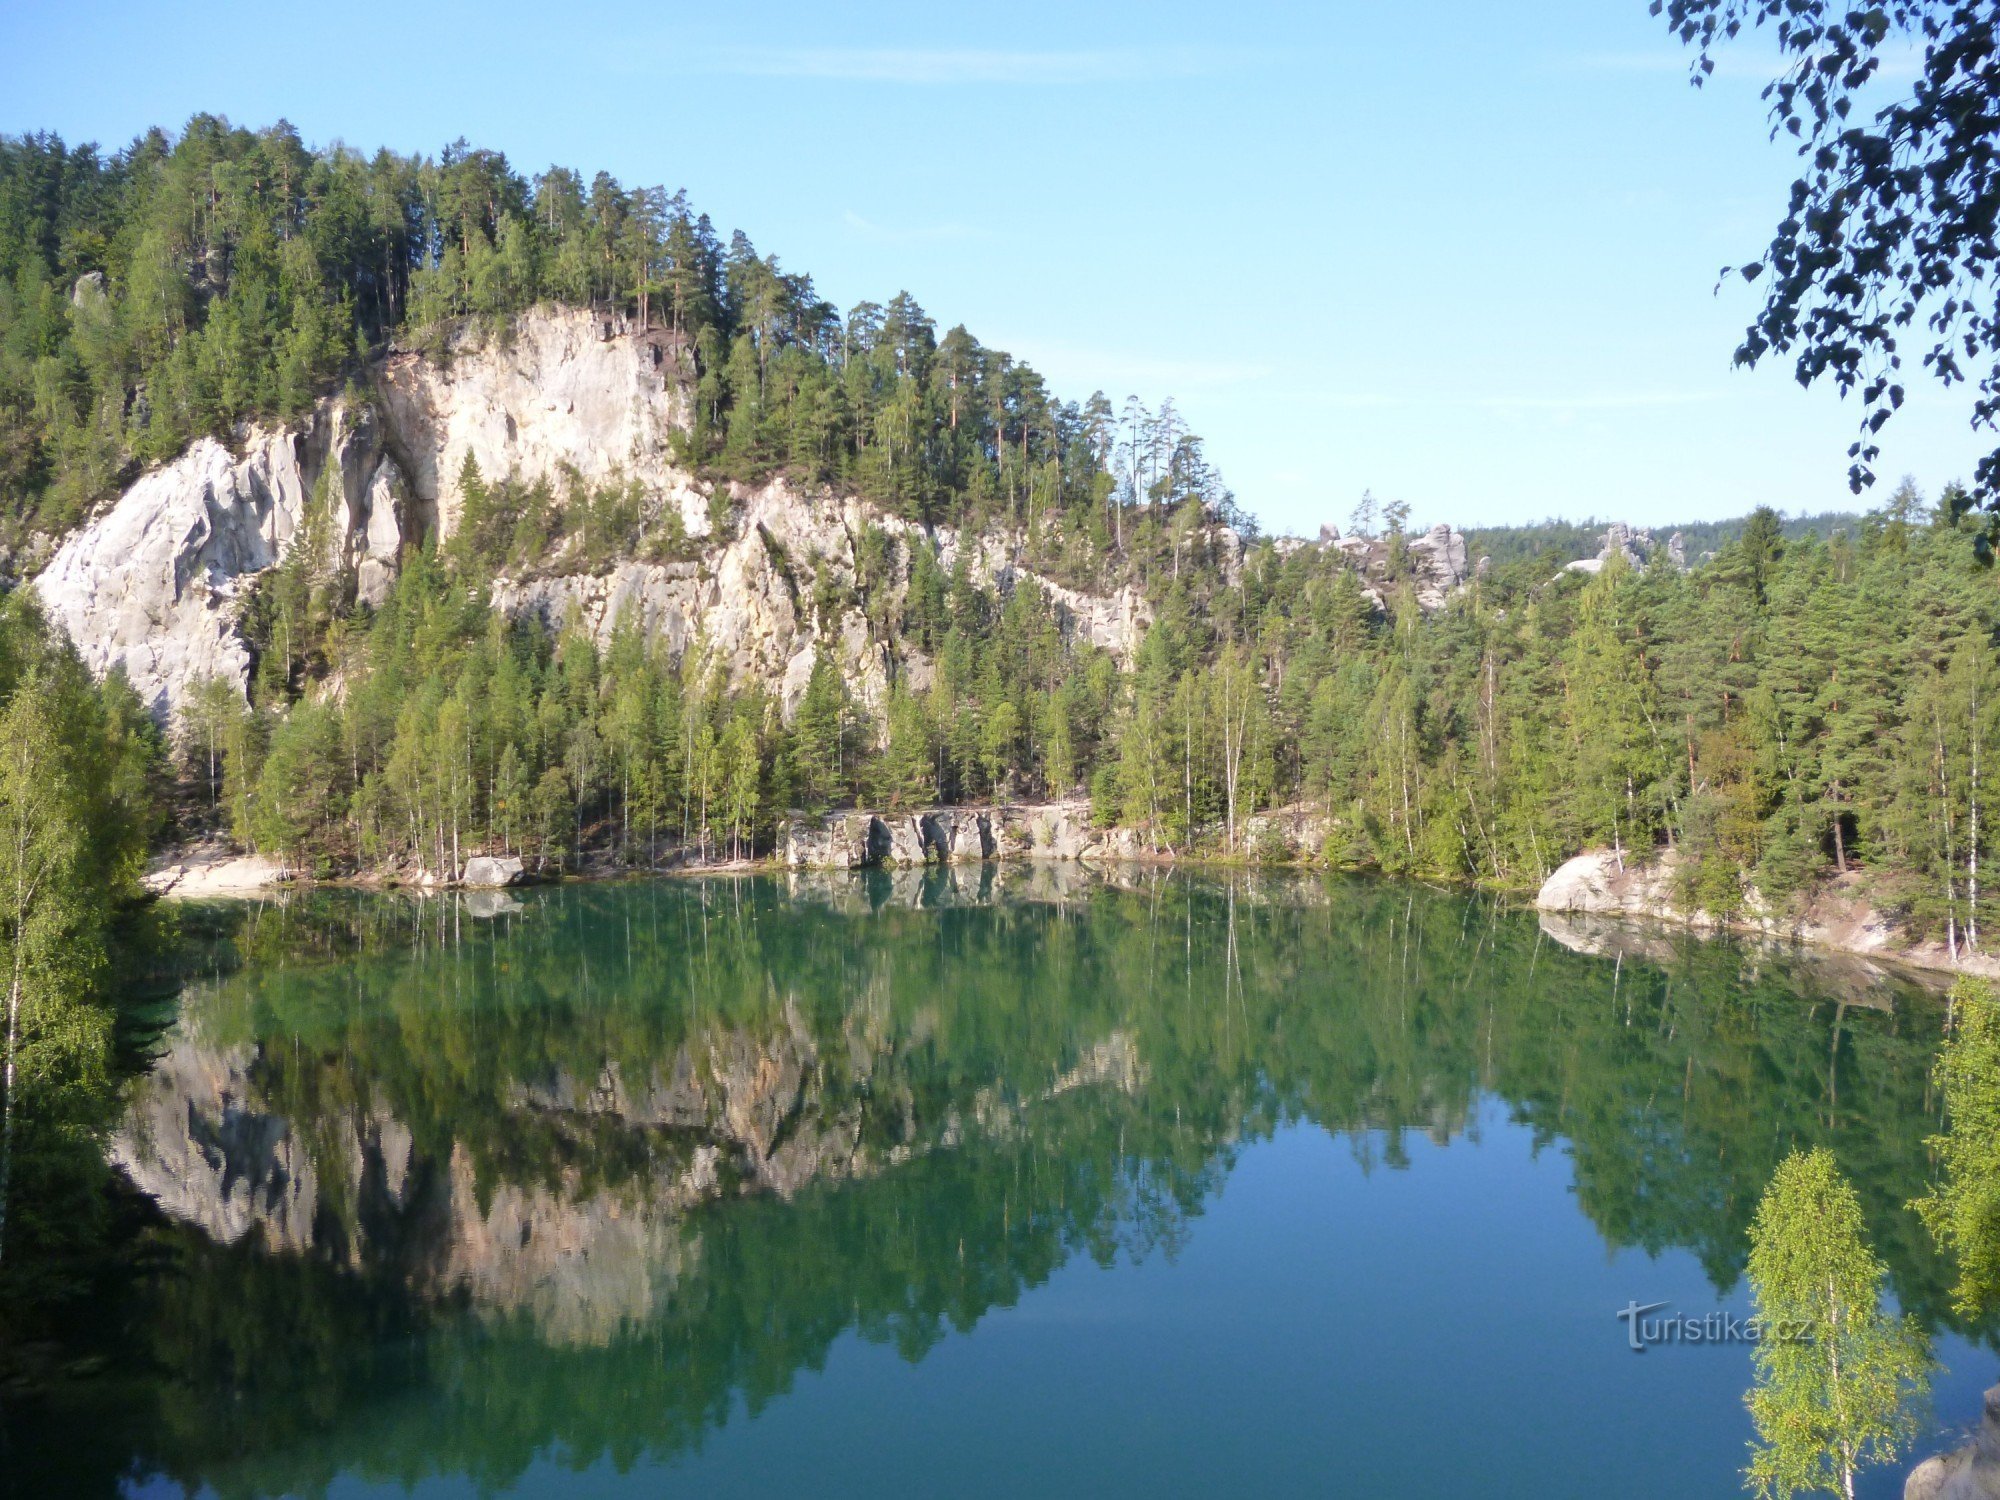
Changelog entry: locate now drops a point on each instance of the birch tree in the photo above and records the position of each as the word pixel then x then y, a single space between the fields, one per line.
pixel 1837 1377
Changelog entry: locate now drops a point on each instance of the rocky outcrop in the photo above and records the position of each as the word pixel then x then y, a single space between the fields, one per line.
pixel 1639 547
pixel 950 835
pixel 1438 563
pixel 748 601
pixel 1051 831
pixel 1838 915
pixel 211 869
pixel 1970 1473
pixel 155 586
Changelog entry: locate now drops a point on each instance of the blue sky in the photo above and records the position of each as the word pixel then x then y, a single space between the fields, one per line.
pixel 1462 254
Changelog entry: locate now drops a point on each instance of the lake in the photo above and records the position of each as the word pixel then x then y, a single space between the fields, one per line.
pixel 1000 1181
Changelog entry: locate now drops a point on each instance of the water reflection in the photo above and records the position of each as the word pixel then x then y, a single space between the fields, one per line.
pixel 454 1182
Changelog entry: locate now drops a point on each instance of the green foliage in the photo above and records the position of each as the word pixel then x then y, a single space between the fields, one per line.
pixel 1836 1376
pixel 1889 225
pixel 74 819
pixel 1962 1211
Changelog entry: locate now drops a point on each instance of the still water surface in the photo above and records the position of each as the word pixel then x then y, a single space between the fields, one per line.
pixel 1004 1183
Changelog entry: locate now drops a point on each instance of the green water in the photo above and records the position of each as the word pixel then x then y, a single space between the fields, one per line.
pixel 1004 1183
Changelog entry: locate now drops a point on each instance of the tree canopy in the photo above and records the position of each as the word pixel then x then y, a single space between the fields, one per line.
pixel 1889 232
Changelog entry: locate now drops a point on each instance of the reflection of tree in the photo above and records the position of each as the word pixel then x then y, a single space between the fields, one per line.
pixel 948 1103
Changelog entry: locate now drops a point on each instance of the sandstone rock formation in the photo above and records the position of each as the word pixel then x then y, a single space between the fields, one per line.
pixel 1653 886
pixel 1439 563
pixel 1054 831
pixel 492 871
pixel 155 585
pixel 211 869
pixel 1970 1473
pixel 1637 546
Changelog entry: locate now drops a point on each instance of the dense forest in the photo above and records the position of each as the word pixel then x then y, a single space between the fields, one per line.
pixel 1812 696
pixel 182 284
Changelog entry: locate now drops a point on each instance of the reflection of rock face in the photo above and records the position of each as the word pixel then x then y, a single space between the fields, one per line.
pixel 195 1142
pixel 729 1111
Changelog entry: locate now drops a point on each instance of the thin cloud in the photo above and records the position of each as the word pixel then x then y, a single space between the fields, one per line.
pixel 962 65
pixel 913 234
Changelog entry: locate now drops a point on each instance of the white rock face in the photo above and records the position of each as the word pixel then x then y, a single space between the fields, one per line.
pixel 563 391
pixel 156 585
pixel 749 603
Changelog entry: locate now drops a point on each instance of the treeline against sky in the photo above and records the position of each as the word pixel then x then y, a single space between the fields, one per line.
pixel 1811 698
pixel 182 284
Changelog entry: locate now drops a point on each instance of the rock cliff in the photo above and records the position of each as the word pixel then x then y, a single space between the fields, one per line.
pixel 155 585
pixel 1053 831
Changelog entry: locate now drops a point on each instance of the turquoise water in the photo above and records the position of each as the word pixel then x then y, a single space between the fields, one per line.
pixel 1011 1183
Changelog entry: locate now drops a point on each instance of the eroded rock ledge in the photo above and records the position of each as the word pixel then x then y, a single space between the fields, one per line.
pixel 1838 915
pixel 1048 831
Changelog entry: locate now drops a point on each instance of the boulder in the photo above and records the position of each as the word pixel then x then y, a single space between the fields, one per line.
pixel 1586 883
pixel 493 871
pixel 211 870
pixel 1969 1473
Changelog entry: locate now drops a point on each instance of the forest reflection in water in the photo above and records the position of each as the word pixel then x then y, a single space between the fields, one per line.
pixel 455 1184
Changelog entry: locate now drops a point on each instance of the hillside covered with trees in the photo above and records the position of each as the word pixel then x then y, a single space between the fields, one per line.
pixel 1812 697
